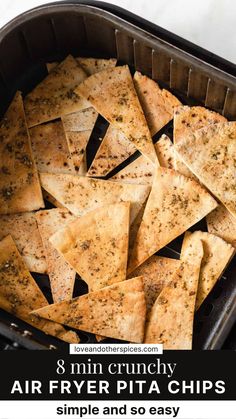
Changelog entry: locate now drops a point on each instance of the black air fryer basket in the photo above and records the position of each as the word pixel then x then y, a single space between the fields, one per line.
pixel 195 76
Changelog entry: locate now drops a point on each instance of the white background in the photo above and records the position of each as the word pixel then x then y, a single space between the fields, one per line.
pixel 208 23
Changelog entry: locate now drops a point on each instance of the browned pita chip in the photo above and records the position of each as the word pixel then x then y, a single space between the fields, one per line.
pixel 19 184
pixel 113 95
pixel 78 127
pixel 114 149
pixel 96 245
pixel 55 96
pixel 156 272
pixel 94 65
pixel 158 105
pixel 187 120
pixel 217 255
pixel 171 318
pixel 210 154
pixel 174 205
pixel 50 148
pixel 141 170
pixel 81 194
pixel 117 311
pixel 19 293
pixel 24 230
pixel 221 223
pixel 61 275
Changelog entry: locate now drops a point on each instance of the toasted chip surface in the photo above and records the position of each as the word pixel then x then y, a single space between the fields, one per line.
pixel 81 194
pixel 94 65
pixel 117 311
pixel 158 105
pixel 96 245
pixel 19 293
pixel 217 255
pixel 174 204
pixel 61 275
pixel 171 318
pixel 141 170
pixel 221 223
pixel 156 272
pixel 20 189
pixel 50 148
pixel 55 95
pixel 210 154
pixel 113 95
pixel 24 231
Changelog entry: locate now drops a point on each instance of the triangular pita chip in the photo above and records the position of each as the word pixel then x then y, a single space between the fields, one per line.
pixel 55 95
pixel 61 275
pixel 156 272
pixel 174 205
pixel 158 105
pixel 141 170
pixel 78 127
pixel 187 120
pixel 217 255
pixel 96 245
pixel 50 149
pixel 20 294
pixel 95 65
pixel 210 154
pixel 114 149
pixel 171 318
pixel 117 311
pixel 111 92
pixel 24 231
pixel 19 184
pixel 221 223
pixel 81 194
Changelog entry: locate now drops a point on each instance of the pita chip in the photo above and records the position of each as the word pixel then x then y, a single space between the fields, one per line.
pixel 61 275
pixel 221 223
pixel 117 311
pixel 141 170
pixel 48 197
pixel 83 166
pixel 55 96
pixel 174 205
pixel 114 149
pixel 50 148
pixel 78 127
pixel 24 231
pixel 20 294
pixel 217 255
pixel 171 318
pixel 95 65
pixel 156 272
pixel 187 120
pixel 111 92
pixel 96 245
pixel 158 105
pixel 20 189
pixel 210 155
pixel 80 194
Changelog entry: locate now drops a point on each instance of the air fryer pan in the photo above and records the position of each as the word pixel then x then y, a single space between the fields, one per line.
pixel 49 33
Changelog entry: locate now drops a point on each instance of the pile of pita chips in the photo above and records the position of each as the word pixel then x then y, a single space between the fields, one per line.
pixel 96 245
pixel 80 194
pixel 111 92
pixel 174 205
pixel 61 275
pixel 141 170
pixel 50 148
pixel 171 318
pixel 210 155
pixel 216 257
pixel 117 311
pixel 20 295
pixel 24 231
pixel 223 224
pixel 55 95
pixel 20 189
